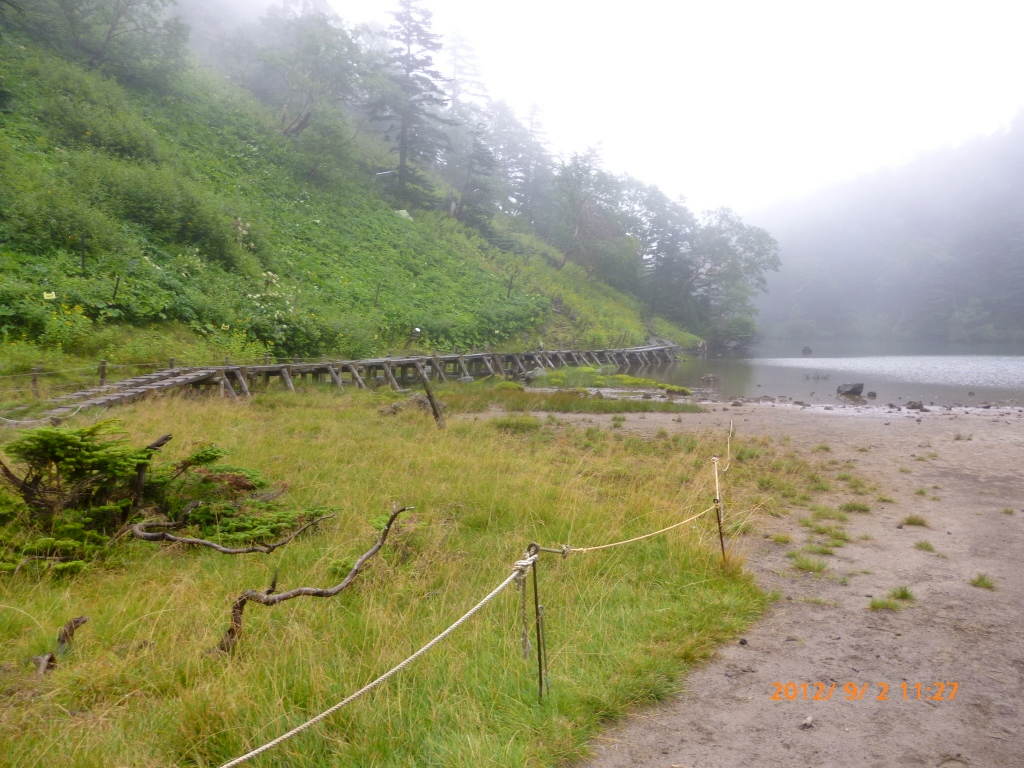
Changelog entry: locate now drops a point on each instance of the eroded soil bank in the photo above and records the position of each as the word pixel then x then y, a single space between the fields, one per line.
pixel 961 471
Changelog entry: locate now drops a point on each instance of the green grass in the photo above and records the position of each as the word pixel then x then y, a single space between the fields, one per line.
pixel 1008 511
pixel 782 538
pixel 924 546
pixel 482 395
pixel 885 500
pixel 804 563
pixel 819 549
pixel 901 593
pixel 983 581
pixel 623 624
pixel 855 506
pixel 884 604
pixel 517 423
pixel 822 448
pixel 827 513
pixel 915 520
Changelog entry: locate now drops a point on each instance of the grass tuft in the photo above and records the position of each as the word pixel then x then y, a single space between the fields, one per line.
pixel 883 604
pixel 915 520
pixel 818 549
pixel 983 581
pixel 804 563
pixel 924 546
pixel 827 513
pixel 855 506
pixel 901 593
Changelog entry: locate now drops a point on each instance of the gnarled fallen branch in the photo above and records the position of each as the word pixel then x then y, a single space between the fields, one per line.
pixel 141 531
pixel 49 660
pixel 268 598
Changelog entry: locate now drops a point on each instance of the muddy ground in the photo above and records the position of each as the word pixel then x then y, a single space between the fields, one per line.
pixel 821 629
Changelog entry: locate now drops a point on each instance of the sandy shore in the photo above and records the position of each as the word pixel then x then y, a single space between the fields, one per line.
pixel 959 468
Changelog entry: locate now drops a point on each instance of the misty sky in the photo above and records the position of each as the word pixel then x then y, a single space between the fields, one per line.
pixel 744 104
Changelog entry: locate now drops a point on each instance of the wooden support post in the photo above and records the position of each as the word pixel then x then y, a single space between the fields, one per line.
pixel 286 377
pixel 355 376
pixel 562 358
pixel 390 376
pixel 35 383
pixel 103 372
pixel 434 405
pixel 242 374
pixel 172 363
pixel 335 377
pixel 225 384
pixel 439 369
pixel 462 365
pixel 490 368
pixel 519 364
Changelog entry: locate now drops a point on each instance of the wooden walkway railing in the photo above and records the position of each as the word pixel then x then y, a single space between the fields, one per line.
pixel 399 372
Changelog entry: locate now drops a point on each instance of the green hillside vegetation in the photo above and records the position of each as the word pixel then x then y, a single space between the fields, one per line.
pixel 300 187
pixel 202 216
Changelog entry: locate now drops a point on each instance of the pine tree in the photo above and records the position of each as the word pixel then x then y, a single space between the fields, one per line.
pixel 413 105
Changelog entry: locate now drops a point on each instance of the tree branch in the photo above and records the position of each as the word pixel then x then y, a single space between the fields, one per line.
pixel 140 531
pixel 268 598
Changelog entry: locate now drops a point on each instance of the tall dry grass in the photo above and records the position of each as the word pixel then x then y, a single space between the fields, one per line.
pixel 139 687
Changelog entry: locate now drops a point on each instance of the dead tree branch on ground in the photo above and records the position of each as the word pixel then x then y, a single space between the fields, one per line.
pixel 141 531
pixel 49 660
pixel 268 597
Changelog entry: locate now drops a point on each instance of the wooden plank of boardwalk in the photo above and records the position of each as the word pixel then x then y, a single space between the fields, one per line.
pixel 504 364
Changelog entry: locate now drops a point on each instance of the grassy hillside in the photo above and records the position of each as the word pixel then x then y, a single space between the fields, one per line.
pixel 140 688
pixel 209 233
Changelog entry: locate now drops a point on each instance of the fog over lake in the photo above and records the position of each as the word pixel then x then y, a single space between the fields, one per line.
pixel 943 375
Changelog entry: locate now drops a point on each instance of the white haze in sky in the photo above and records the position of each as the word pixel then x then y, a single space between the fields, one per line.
pixel 744 104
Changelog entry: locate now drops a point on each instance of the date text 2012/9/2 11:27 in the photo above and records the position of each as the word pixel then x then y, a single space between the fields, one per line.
pixel 855 692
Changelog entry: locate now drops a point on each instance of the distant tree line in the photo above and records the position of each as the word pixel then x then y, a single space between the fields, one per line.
pixel 453 148
pixel 930 251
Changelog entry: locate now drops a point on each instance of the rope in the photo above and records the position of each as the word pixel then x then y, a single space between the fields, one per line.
pixel 46 420
pixel 566 550
pixel 518 570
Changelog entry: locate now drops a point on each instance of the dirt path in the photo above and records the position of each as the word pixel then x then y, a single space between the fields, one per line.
pixel 821 629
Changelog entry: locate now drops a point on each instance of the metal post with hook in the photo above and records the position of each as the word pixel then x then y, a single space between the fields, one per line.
pixel 718 508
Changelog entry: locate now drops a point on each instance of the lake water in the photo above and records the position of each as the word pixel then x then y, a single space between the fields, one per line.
pixel 939 374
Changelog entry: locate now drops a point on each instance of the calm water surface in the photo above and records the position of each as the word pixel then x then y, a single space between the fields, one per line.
pixel 940 375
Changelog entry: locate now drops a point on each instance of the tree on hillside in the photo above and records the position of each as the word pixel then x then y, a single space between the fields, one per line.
pixel 584 222
pixel 301 58
pixel 726 268
pixel 135 39
pixel 523 164
pixel 664 230
pixel 411 107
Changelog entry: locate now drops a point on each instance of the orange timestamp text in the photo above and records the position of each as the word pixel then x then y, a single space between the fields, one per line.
pixel 937 691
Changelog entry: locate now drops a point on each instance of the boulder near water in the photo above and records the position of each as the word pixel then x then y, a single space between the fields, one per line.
pixel 850 390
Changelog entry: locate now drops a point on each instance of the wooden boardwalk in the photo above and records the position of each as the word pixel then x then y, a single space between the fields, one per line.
pixel 399 372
